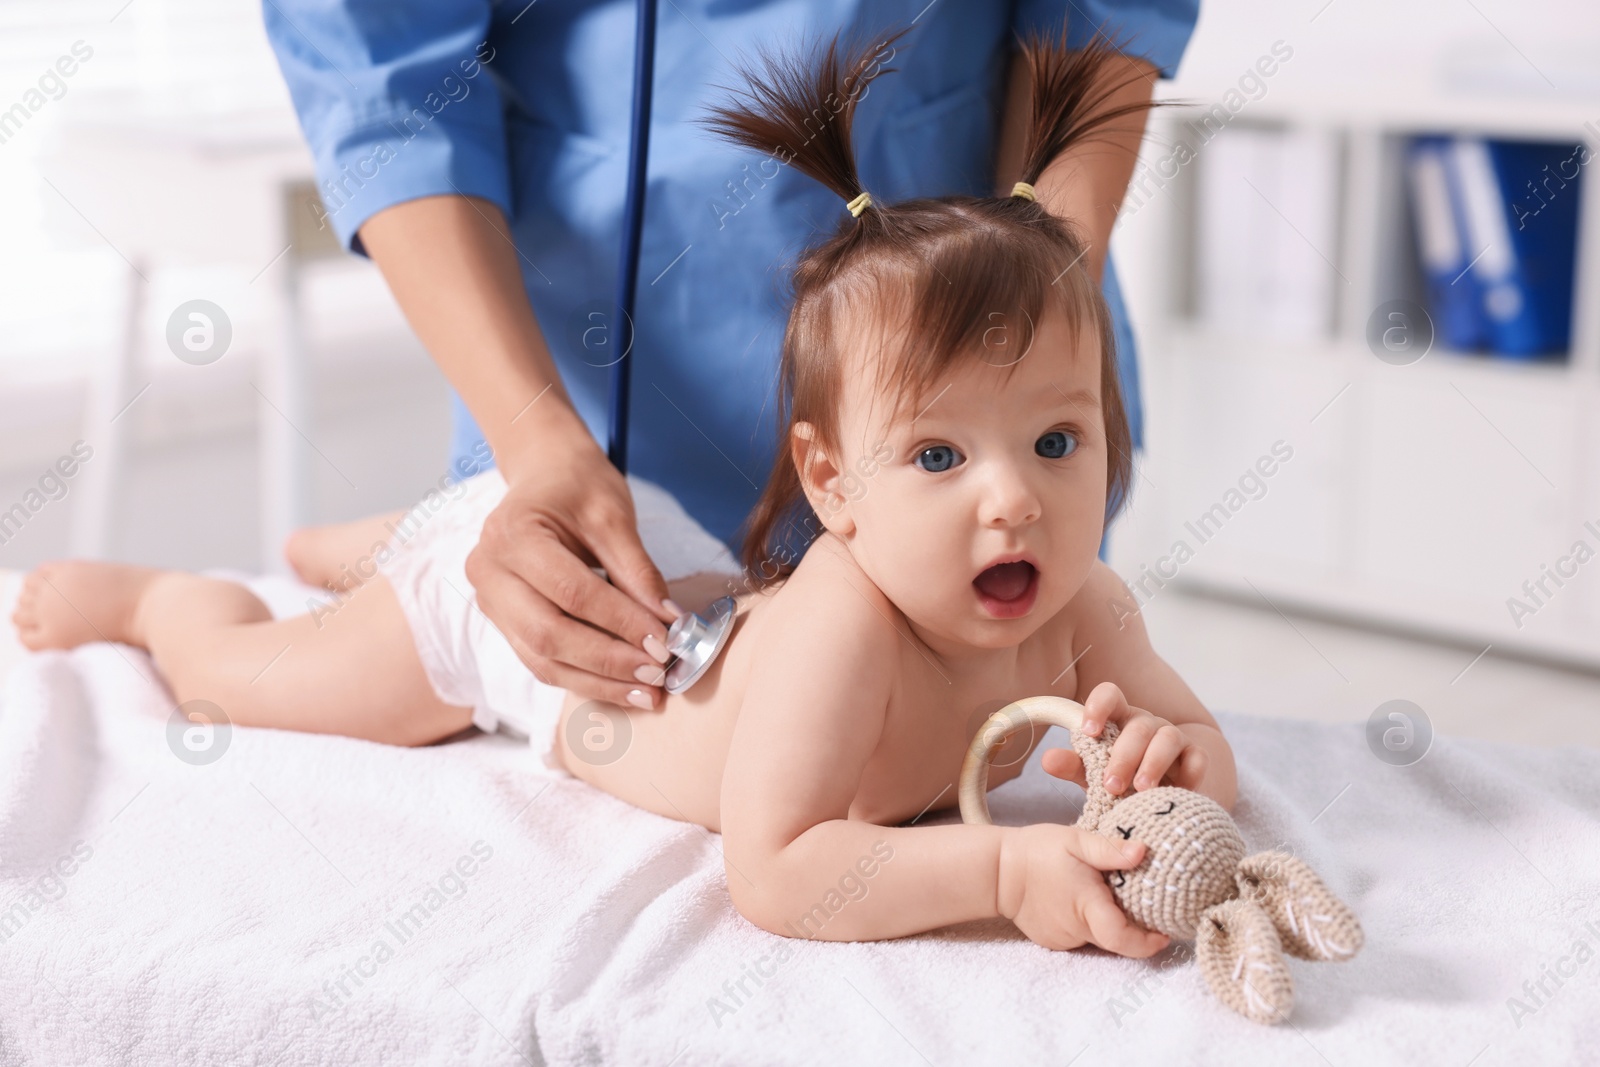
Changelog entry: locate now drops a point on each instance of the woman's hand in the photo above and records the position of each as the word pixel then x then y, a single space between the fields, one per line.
pixel 1051 886
pixel 1148 749
pixel 454 268
pixel 568 510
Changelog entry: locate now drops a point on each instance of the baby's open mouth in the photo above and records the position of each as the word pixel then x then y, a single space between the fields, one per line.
pixel 1007 590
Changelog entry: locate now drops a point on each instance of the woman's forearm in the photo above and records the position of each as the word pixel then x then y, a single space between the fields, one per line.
pixel 1085 184
pixel 453 269
pixel 849 880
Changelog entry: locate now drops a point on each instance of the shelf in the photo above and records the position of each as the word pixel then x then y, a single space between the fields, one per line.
pixel 1192 336
pixel 1552 118
pixel 1420 496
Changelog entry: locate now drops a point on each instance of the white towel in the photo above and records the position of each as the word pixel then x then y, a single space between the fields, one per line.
pixel 307 899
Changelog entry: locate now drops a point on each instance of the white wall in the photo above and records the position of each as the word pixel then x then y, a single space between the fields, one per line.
pixel 380 408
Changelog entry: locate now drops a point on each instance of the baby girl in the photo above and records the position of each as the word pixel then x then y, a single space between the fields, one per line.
pixel 924 553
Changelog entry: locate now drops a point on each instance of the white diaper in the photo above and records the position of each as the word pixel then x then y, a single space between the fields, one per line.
pixel 468 661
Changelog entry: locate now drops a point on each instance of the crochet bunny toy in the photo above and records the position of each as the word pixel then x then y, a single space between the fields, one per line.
pixel 1243 912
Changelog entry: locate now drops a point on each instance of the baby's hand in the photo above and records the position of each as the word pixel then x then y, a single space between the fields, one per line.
pixel 1147 750
pixel 1050 885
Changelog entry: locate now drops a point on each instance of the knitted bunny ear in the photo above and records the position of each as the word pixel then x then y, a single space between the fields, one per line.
pixel 1095 752
pixel 1312 923
pixel 1242 959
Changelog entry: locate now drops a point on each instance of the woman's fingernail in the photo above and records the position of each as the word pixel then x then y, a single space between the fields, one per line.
pixel 656 649
pixel 1138 783
pixel 672 606
pixel 650 674
pixel 1113 783
pixel 638 699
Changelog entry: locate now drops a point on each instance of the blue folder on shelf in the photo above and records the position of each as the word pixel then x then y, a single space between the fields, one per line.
pixel 1502 280
pixel 1452 297
pixel 1524 216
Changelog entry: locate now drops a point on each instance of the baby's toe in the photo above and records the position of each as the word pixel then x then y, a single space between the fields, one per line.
pixel 26 621
pixel 27 605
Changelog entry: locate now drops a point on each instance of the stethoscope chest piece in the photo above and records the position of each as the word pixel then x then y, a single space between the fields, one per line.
pixel 695 642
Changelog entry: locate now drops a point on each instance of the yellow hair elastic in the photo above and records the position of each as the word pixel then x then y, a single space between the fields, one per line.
pixel 1024 190
pixel 859 204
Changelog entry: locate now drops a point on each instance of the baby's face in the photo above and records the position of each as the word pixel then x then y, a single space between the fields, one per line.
pixel 986 517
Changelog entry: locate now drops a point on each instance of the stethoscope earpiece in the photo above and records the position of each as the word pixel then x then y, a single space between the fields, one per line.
pixel 695 642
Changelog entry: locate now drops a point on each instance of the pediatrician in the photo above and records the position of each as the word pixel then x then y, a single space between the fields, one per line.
pixel 478 153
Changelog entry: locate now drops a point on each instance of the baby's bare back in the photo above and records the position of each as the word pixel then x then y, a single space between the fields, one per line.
pixel 671 761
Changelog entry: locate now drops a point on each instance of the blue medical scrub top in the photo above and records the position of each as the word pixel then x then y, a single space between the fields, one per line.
pixel 527 104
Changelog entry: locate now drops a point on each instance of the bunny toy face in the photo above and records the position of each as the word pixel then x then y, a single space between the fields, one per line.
pixel 1243 912
pixel 1192 849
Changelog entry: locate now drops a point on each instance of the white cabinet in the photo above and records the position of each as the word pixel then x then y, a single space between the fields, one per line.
pixel 1460 480
pixel 1421 497
pixel 1241 415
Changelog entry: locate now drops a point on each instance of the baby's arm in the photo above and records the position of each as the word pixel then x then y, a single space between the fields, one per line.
pixel 798 865
pixel 1165 731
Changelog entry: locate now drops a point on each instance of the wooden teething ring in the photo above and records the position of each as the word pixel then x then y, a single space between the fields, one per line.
pixel 1018 715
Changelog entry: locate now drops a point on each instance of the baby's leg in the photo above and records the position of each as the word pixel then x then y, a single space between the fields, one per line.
pixel 353 671
pixel 339 556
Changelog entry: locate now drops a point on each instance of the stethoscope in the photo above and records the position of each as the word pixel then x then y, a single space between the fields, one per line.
pixel 693 641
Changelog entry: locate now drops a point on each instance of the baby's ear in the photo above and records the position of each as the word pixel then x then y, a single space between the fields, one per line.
pixel 820 478
pixel 1312 923
pixel 1239 953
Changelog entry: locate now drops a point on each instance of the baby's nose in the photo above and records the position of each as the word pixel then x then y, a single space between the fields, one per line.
pixel 1008 500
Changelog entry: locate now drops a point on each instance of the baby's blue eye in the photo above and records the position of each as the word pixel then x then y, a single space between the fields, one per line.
pixel 1055 444
pixel 938 458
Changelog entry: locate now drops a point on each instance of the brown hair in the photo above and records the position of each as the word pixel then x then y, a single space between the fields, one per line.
pixel 938 267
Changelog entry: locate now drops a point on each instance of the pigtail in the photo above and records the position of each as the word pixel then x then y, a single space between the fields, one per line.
pixel 1072 90
pixel 800 108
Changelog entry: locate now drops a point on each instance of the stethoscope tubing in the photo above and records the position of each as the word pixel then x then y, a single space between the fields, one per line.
pixel 693 641
pixel 644 53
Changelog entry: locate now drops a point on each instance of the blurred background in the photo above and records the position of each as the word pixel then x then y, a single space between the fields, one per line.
pixel 1362 256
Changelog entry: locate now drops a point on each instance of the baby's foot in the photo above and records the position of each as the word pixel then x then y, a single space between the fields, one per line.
pixel 64 605
pixel 338 556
